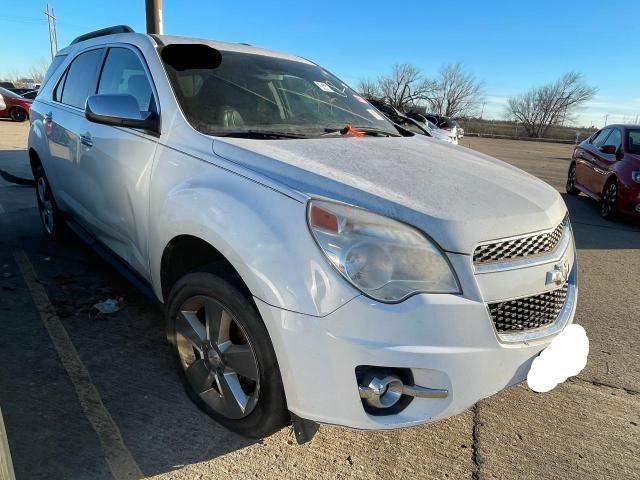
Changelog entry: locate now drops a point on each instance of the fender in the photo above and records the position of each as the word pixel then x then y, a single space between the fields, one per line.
pixel 263 233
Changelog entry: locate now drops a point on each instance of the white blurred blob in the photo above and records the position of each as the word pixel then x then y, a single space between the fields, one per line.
pixel 565 357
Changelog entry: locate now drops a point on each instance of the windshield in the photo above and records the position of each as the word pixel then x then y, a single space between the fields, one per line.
pixel 249 93
pixel 8 93
pixel 634 141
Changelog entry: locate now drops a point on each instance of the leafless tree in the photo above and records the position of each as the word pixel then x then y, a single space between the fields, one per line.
pixel 551 104
pixel 35 74
pixel 38 71
pixel 456 92
pixel 405 87
pixel 369 89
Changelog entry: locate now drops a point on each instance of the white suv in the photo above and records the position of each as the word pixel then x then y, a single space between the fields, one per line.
pixel 317 262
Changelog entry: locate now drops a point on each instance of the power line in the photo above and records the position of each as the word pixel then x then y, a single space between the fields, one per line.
pixel 53 35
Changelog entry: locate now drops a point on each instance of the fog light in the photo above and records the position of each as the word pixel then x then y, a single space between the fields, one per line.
pixel 381 391
pixel 388 391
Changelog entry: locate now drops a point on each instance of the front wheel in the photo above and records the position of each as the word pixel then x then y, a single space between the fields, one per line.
pixel 571 181
pixel 224 354
pixel 609 200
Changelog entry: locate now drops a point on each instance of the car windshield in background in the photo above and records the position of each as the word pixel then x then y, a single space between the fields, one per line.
pixel 255 94
pixel 8 93
pixel 634 141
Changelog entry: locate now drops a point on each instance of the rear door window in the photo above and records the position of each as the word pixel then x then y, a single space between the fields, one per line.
pixel 123 73
pixel 81 78
pixel 57 61
pixel 634 141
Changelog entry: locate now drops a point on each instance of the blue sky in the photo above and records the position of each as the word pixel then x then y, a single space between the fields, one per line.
pixel 511 46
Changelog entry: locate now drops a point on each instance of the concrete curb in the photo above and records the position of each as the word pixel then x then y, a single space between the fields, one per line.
pixel 524 139
pixel 6 466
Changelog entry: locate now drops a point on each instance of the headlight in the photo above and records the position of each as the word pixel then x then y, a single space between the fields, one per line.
pixel 385 259
pixel 635 176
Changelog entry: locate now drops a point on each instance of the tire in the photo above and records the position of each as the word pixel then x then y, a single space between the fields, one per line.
pixel 17 114
pixel 609 199
pixel 571 181
pixel 53 223
pixel 216 332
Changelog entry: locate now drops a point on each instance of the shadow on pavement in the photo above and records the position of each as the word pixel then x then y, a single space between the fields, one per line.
pixel 16 163
pixel 593 232
pixel 126 355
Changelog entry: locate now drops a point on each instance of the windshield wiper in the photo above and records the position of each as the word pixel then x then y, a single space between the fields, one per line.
pixel 365 130
pixel 260 134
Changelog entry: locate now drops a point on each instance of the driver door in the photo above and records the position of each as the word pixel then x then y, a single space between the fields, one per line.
pixel 586 164
pixel 117 162
pixel 605 161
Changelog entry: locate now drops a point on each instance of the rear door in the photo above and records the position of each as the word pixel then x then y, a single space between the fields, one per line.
pixel 116 167
pixel 64 124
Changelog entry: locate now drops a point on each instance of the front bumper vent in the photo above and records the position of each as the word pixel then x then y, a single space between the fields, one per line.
pixel 528 313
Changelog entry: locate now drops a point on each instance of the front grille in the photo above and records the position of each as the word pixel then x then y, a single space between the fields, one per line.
pixel 529 312
pixel 520 247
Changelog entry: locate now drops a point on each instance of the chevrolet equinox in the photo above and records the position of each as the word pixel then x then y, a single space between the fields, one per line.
pixel 317 263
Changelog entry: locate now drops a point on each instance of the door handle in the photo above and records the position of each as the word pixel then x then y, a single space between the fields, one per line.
pixel 86 140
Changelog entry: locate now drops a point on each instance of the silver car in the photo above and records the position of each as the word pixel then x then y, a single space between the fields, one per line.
pixel 316 264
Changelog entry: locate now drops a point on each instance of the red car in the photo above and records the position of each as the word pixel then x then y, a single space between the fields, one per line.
pixel 14 106
pixel 606 167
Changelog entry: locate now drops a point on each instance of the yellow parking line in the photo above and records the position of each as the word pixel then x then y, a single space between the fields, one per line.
pixel 117 455
pixel 6 467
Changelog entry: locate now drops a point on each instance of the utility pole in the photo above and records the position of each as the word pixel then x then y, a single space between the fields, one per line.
pixel 53 34
pixel 154 16
pixel 606 119
pixel 482 111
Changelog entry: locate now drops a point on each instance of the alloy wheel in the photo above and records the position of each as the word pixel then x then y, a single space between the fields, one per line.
pixel 45 206
pixel 571 179
pixel 18 115
pixel 217 356
pixel 609 198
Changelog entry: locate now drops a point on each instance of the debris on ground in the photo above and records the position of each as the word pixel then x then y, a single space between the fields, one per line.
pixel 112 305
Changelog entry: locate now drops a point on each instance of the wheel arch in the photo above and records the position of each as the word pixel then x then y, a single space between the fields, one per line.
pixel 34 160
pixel 18 107
pixel 612 177
pixel 186 253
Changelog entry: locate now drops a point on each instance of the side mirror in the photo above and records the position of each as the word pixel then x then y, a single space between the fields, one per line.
pixel 609 149
pixel 120 110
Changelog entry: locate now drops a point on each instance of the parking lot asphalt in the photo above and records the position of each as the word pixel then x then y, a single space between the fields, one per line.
pixel 88 396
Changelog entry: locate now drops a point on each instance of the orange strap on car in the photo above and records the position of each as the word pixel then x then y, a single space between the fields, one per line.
pixel 350 131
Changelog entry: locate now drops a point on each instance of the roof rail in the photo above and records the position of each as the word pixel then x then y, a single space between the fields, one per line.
pixel 104 31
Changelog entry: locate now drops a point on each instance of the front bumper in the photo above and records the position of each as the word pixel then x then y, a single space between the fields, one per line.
pixel 629 201
pixel 447 341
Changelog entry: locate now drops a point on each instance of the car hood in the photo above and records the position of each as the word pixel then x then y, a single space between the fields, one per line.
pixel 457 196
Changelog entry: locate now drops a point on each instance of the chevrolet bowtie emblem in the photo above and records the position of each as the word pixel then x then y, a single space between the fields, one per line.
pixel 559 274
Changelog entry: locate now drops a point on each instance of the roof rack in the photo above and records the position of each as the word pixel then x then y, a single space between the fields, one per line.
pixel 104 31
